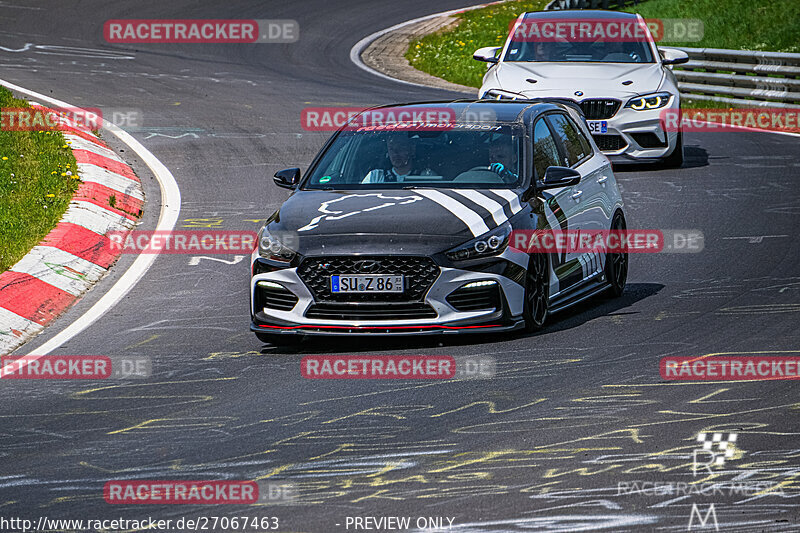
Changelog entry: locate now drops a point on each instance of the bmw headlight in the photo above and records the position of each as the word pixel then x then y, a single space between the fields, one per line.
pixel 649 101
pixel 275 246
pixel 488 244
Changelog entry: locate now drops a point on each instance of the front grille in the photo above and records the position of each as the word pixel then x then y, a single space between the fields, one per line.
pixel 419 274
pixel 274 297
pixel 370 311
pixel 609 143
pixel 598 109
pixel 475 298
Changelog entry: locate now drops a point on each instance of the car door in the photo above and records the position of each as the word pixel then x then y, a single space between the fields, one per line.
pixel 587 205
pixel 558 207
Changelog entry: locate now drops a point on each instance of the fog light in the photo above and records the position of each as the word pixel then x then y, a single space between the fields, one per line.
pixel 269 285
pixel 476 284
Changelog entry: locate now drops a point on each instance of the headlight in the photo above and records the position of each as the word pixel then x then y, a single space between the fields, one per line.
pixel 488 244
pixel 275 247
pixel 649 101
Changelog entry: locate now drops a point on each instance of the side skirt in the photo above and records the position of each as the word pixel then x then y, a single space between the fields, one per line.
pixel 578 295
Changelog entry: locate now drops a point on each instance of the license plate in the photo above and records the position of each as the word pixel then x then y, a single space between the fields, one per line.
pixel 370 283
pixel 597 126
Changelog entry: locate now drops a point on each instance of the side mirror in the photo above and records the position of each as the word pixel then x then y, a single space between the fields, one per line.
pixel 555 177
pixel 287 178
pixel 673 56
pixel 487 54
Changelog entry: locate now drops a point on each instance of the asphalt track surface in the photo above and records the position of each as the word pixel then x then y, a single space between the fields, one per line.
pixel 572 412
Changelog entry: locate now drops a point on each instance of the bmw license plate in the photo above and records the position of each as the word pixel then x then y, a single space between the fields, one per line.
pixel 597 126
pixel 368 283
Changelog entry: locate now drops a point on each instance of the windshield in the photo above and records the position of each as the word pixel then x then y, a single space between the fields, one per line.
pixel 468 156
pixel 590 40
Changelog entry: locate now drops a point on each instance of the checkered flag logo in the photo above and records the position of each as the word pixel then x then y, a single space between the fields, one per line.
pixel 720 445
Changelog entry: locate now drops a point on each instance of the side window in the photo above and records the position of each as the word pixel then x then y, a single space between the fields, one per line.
pixel 575 146
pixel 545 152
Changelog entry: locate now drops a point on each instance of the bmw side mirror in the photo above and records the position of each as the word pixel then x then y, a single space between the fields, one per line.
pixel 287 178
pixel 486 54
pixel 673 56
pixel 556 177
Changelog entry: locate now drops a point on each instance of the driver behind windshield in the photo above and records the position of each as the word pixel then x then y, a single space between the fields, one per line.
pixel 503 158
pixel 402 153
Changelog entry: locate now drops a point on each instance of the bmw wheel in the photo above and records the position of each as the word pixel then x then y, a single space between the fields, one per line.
pixel 675 159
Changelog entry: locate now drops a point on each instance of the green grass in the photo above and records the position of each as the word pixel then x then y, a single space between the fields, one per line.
pixel 448 54
pixel 34 190
pixel 735 24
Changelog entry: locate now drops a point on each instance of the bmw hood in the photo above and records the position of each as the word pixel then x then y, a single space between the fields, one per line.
pixel 603 80
pixel 420 221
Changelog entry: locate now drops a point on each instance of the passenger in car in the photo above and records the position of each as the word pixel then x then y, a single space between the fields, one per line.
pixel 401 150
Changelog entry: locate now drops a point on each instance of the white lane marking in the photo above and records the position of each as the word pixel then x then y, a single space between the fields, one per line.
pixel 360 46
pixel 94 218
pixel 168 217
pixel 469 217
pixel 195 259
pixel 493 207
pixel 95 174
pixel 754 239
pixel 60 269
pixel 512 198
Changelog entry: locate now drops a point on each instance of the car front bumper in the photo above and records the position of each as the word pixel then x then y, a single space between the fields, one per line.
pixel 638 136
pixel 504 274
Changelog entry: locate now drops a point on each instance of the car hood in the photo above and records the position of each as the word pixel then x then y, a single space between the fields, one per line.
pixel 602 80
pixel 395 221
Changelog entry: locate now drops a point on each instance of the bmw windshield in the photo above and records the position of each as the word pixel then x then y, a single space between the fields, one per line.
pixel 460 156
pixel 580 40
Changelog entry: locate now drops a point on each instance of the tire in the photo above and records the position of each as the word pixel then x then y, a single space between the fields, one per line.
pixel 616 269
pixel 537 289
pixel 277 339
pixel 675 159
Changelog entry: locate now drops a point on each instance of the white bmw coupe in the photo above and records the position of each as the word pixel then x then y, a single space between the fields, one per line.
pixel 605 61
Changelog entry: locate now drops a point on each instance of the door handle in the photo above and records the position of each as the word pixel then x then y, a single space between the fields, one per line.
pixel 576 195
pixel 602 179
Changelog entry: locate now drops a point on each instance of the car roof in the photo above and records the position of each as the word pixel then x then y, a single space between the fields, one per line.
pixel 578 14
pixel 501 111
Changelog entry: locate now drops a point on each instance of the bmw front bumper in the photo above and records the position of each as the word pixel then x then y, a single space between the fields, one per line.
pixel 637 136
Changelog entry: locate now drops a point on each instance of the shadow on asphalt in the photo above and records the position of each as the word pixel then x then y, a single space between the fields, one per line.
pixel 591 309
pixel 693 157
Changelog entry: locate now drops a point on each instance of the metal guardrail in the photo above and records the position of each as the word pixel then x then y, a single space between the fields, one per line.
pixel 741 77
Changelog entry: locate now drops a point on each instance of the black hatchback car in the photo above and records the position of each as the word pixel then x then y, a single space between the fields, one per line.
pixel 404 228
